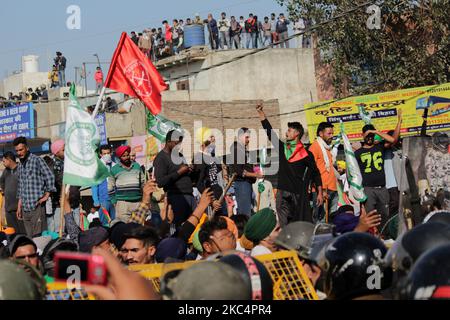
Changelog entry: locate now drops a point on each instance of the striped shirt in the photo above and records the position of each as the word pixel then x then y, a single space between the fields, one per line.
pixel 126 184
pixel 35 179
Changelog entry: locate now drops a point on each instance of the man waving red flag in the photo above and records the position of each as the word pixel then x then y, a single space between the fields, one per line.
pixel 131 72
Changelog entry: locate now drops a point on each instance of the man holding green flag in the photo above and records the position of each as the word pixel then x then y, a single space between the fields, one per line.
pixel 82 167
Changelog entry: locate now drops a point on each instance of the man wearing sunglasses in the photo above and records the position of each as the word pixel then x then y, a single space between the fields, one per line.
pixel 23 248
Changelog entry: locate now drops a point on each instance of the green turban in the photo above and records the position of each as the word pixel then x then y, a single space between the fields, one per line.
pixel 260 225
pixel 196 242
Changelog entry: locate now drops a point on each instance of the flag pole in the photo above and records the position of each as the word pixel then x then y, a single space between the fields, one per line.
pixel 97 106
pixel 62 208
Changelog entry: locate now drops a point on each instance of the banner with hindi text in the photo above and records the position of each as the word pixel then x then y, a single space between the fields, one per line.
pixel 383 108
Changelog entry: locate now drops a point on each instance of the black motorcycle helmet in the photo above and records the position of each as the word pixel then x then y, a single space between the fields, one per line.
pixel 353 266
pixel 442 216
pixel 59 244
pixel 429 279
pixel 254 274
pixel 405 252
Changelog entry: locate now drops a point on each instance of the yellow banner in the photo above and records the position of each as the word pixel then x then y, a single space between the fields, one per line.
pixel 383 108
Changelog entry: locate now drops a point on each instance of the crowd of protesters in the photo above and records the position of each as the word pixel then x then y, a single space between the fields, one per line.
pixel 224 34
pixel 226 210
pixel 38 95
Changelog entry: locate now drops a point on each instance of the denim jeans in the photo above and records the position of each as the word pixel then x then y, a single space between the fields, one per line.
pixel 253 38
pixel 110 208
pixel 235 42
pixel 224 40
pixel 244 37
pixel 54 221
pixel 76 216
pixel 267 40
pixel 62 78
pixel 243 192
pixel 319 212
pixel 284 36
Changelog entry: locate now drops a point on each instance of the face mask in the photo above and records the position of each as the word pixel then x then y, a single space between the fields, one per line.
pixel 107 158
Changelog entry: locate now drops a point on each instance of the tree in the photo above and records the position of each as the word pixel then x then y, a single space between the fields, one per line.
pixel 410 47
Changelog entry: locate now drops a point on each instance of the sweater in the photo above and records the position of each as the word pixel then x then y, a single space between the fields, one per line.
pixel 167 177
pixel 126 184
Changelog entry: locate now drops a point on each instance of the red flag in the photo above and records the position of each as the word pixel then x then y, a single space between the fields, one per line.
pixel 131 72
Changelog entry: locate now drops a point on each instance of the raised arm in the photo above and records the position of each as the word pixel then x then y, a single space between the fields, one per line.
pixel 268 127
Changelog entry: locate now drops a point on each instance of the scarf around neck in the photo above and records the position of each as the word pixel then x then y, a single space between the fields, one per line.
pixel 324 147
pixel 294 151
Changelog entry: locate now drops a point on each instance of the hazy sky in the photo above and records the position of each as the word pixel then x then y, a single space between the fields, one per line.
pixel 39 27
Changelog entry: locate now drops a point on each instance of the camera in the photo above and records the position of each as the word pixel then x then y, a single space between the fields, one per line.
pixel 82 267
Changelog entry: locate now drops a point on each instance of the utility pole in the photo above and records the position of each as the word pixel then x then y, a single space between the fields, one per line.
pixel 85 79
pixel 76 74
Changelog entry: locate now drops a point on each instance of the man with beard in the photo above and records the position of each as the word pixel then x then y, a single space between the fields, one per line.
pixel 125 184
pixel 174 175
pixel 139 246
pixel 35 184
pixel 321 149
pixel 371 163
pixel 297 172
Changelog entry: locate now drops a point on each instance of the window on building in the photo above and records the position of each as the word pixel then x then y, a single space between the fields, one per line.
pixel 183 85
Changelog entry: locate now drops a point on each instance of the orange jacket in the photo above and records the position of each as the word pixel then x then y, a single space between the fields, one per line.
pixel 328 178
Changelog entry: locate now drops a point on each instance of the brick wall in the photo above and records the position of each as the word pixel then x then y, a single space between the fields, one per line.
pixel 221 116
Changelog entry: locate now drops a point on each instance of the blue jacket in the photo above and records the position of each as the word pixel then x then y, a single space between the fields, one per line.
pixel 100 192
pixel 213 26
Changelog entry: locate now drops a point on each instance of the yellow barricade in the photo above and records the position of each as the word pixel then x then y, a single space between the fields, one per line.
pixel 59 291
pixel 288 276
pixel 290 281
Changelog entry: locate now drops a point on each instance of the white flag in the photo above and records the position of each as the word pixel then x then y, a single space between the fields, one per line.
pixel 82 167
pixel 354 176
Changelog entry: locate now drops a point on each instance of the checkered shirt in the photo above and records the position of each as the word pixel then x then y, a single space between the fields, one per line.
pixel 35 179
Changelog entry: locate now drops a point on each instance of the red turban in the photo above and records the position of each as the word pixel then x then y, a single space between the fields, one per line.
pixel 121 150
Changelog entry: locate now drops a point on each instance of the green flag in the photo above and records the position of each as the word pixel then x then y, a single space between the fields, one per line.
pixel 158 126
pixel 82 167
pixel 354 176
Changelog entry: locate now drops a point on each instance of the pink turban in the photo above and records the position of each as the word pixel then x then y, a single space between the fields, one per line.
pixel 57 146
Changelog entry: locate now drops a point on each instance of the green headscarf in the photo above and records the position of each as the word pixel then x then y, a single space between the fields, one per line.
pixel 289 148
pixel 260 225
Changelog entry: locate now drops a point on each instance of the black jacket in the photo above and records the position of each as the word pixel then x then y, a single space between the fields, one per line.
pixel 295 177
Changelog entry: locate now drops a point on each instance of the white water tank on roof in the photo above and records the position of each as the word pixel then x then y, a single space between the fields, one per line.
pixel 30 64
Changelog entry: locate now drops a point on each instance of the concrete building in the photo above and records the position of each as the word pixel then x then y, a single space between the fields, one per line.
pixel 287 76
pixel 30 77
pixel 222 97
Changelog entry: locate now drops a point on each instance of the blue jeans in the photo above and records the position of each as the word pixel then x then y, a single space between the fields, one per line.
pixel 110 208
pixel 54 221
pixel 62 78
pixel 243 192
pixel 224 40
pixel 244 36
pixel 253 39
pixel 319 212
pixel 76 215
